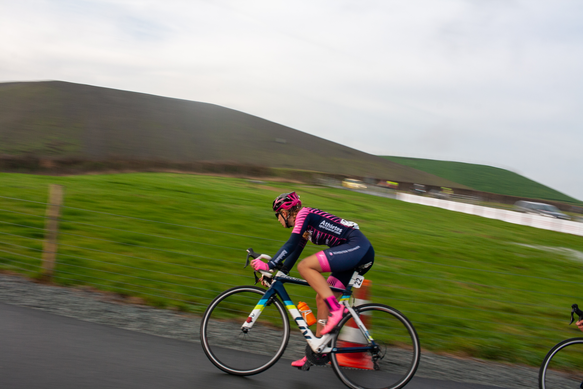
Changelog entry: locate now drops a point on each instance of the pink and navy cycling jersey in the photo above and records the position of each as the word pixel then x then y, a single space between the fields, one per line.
pixel 319 227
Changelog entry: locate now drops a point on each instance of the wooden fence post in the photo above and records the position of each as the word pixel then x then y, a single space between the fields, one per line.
pixel 52 229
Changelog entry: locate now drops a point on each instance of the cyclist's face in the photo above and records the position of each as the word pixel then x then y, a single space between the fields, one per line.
pixel 281 217
pixel 284 214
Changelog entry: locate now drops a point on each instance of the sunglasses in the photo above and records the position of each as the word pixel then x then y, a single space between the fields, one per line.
pixel 277 215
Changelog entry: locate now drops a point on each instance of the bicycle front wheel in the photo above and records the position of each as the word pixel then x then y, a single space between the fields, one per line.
pixel 563 366
pixel 244 352
pixel 391 364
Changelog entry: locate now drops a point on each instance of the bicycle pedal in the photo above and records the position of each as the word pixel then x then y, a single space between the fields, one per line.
pixel 306 366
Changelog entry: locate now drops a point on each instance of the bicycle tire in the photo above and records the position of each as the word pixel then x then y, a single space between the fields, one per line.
pixel 234 351
pixel 399 353
pixel 561 367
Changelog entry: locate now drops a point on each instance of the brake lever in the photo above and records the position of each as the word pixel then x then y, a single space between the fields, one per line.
pixel 252 254
pixel 575 309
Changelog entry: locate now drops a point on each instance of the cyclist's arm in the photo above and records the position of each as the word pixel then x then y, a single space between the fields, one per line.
pixel 290 261
pixel 580 324
pixel 289 253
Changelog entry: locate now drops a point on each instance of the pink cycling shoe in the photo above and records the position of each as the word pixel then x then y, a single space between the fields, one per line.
pixel 300 362
pixel 334 319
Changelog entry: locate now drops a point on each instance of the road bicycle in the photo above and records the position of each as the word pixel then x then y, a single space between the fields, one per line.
pixel 245 331
pixel 563 364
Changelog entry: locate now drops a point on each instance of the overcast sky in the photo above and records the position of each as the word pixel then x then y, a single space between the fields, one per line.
pixel 494 82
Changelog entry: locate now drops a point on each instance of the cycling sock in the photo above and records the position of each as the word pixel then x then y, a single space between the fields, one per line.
pixel 332 303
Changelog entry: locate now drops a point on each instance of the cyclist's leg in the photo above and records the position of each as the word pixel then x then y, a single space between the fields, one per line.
pixel 341 261
pixel 323 311
pixel 311 268
pixel 311 271
pixel 321 314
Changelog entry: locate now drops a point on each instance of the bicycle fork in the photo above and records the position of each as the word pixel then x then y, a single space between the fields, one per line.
pixel 256 312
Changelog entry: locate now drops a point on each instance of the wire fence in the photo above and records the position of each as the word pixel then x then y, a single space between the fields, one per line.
pixel 156 261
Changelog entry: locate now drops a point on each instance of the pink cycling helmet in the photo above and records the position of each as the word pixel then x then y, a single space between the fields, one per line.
pixel 286 201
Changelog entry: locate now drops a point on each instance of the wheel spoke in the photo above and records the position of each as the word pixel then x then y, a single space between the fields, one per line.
pixel 395 360
pixel 235 351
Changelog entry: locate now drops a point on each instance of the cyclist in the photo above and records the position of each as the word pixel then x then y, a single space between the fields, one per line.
pixel 348 249
pixel 580 324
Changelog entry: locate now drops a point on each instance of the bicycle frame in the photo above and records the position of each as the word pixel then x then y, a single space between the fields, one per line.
pixel 318 345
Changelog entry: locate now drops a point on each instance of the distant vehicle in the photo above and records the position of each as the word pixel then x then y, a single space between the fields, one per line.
pixel 438 194
pixel 419 189
pixel 392 185
pixel 446 191
pixel 353 184
pixel 540 209
pixel 388 184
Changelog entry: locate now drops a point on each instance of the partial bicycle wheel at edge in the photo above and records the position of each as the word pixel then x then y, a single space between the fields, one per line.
pixel 563 366
pixel 234 351
pixel 397 358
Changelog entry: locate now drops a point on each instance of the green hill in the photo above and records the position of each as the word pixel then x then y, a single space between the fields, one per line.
pixel 61 121
pixel 64 124
pixel 486 179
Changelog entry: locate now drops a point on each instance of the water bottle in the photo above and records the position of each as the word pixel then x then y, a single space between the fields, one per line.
pixel 306 313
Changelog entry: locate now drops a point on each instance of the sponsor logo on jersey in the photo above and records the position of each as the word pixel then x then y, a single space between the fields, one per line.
pixel 283 254
pixel 345 251
pixel 330 227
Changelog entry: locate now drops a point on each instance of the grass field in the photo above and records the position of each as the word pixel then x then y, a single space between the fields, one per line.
pixel 470 285
pixel 486 179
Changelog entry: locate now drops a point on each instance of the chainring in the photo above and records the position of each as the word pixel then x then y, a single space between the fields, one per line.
pixel 316 359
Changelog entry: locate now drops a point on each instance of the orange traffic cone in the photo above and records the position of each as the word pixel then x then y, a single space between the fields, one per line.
pixel 350 336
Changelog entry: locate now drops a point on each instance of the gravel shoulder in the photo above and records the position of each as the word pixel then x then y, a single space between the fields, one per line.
pixel 109 310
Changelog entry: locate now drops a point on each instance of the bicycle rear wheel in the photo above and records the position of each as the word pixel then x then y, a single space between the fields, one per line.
pixel 394 362
pixel 230 348
pixel 563 366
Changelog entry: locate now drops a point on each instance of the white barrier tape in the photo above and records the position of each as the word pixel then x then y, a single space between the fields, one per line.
pixel 536 221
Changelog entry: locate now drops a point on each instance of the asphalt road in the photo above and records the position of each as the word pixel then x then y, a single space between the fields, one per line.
pixel 43 350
